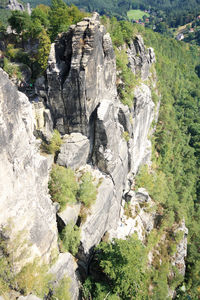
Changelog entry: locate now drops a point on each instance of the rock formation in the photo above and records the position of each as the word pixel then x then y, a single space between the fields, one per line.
pixel 80 90
pixel 15 5
pixel 100 135
pixel 25 203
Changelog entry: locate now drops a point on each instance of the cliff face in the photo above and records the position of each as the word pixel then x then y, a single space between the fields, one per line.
pixel 80 90
pixel 100 135
pixel 81 73
pixel 25 203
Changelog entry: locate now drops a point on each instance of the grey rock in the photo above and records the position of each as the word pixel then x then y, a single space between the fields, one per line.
pixel 43 123
pixel 141 221
pixel 81 72
pixel 24 195
pixel 142 116
pixel 70 214
pixel 110 151
pixel 140 58
pixel 75 151
pixel 178 258
pixel 100 217
pixel 29 297
pixel 15 5
pixel 66 266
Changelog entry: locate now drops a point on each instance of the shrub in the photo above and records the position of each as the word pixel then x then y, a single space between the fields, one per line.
pixel 12 70
pixel 33 278
pixel 62 291
pixel 63 186
pixel 70 237
pixel 126 136
pixel 55 143
pixel 87 192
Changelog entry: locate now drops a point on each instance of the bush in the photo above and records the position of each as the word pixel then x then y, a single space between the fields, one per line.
pixel 126 136
pixel 33 278
pixel 62 291
pixel 55 143
pixel 70 237
pixel 87 192
pixel 12 70
pixel 63 186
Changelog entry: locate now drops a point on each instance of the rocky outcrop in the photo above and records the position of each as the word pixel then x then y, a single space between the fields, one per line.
pixel 80 90
pixel 24 198
pixel 178 259
pixel 135 216
pixel 75 151
pixel 140 57
pixel 66 267
pixel 81 73
pixel 15 5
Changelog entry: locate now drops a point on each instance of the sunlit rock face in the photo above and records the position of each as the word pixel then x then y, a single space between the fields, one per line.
pixel 81 73
pixel 80 90
pixel 24 200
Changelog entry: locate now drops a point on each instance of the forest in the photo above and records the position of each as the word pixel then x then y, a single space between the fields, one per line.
pixel 175 185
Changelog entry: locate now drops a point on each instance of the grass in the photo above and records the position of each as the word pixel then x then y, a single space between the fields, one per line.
pixel 136 14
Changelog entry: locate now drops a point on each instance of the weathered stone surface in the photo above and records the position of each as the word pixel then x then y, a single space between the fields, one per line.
pixel 81 73
pixel 140 220
pixel 66 266
pixel 70 214
pixel 178 259
pixel 140 58
pixel 24 197
pixel 143 115
pixel 15 5
pixel 43 123
pixel 110 152
pixel 29 297
pixel 75 151
pixel 102 215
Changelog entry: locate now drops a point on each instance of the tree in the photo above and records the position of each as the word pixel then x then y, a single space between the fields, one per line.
pixel 43 52
pixel 124 264
pixel 19 21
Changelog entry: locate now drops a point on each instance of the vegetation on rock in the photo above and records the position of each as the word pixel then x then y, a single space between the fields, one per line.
pixel 70 237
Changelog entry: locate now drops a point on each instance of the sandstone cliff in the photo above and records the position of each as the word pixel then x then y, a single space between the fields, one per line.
pixel 78 96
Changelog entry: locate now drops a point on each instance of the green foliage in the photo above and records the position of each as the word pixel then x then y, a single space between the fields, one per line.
pixel 34 278
pixel 126 136
pixel 61 17
pixel 127 80
pixel 62 291
pixel 123 263
pixel 43 50
pixel 11 70
pixel 136 14
pixel 87 191
pixel 127 210
pixel 63 186
pixel 54 144
pixel 19 21
pixel 70 237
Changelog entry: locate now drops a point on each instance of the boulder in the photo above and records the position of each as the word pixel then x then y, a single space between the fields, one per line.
pixel 74 151
pixel 70 214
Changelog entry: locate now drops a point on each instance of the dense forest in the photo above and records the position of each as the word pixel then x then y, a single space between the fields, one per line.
pixel 174 180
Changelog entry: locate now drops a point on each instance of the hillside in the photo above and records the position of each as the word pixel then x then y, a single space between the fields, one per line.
pixel 100 164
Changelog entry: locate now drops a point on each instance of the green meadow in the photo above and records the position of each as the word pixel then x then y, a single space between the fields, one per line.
pixel 136 14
